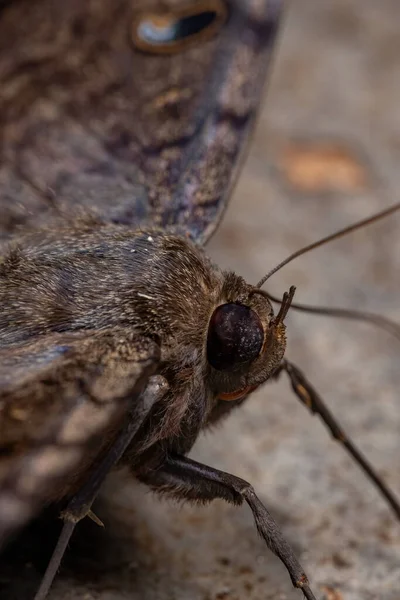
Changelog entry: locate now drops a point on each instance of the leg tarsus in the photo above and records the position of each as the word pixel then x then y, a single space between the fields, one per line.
pixel 80 505
pixel 313 401
pixel 305 588
pixel 186 479
pixel 55 561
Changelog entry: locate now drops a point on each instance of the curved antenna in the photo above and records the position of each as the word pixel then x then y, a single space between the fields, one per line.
pixel 329 238
pixel 343 313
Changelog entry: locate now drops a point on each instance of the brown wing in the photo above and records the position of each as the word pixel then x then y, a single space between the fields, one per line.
pixel 62 398
pixel 96 113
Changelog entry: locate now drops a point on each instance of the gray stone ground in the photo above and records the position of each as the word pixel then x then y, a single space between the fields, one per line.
pixel 326 152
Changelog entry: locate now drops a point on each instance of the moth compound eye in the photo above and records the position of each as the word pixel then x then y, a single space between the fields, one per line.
pixel 235 336
pixel 171 30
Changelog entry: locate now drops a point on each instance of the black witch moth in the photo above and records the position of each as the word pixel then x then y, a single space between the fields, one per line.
pixel 122 129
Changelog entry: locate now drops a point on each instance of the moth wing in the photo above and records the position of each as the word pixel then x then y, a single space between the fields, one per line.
pixel 95 121
pixel 62 397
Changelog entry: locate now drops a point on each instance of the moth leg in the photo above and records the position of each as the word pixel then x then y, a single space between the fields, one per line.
pixel 63 396
pixel 80 505
pixel 186 479
pixel 313 401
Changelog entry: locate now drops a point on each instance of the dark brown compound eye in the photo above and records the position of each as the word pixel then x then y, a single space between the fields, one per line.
pixel 170 31
pixel 235 336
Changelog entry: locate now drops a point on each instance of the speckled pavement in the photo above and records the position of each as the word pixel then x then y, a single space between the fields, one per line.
pixel 326 152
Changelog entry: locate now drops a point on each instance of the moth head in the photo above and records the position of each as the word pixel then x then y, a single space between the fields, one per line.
pixel 245 343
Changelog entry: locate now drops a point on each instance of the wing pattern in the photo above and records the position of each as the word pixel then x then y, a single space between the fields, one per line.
pixel 88 122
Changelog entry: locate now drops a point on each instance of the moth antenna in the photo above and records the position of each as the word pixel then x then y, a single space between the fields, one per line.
pixel 329 238
pixel 343 313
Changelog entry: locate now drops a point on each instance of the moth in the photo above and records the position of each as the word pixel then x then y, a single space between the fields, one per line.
pixel 123 128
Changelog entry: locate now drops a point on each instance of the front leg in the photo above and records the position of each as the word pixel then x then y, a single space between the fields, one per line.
pixel 313 401
pixel 122 368
pixel 186 479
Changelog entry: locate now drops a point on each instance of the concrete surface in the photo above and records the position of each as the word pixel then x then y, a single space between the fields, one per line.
pixel 326 153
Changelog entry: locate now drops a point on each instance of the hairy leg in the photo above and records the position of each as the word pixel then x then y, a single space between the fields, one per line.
pixel 139 407
pixel 313 401
pixel 187 479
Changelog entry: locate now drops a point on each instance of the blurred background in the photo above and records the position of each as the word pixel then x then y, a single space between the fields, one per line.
pixel 326 152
